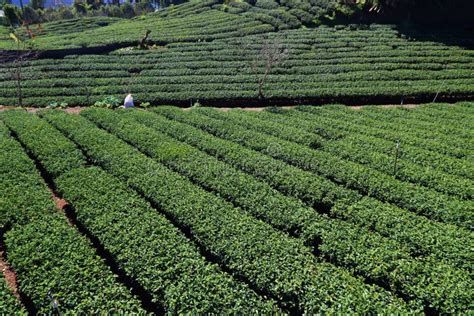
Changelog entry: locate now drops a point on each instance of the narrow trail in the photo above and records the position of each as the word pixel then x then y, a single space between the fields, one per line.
pixel 61 205
pixel 8 272
pixel 69 213
pixel 78 109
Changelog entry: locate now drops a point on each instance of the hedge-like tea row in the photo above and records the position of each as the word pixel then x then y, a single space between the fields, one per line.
pixel 18 173
pixel 279 16
pixel 46 253
pixel 172 288
pixel 371 182
pixel 298 65
pixel 405 171
pixel 222 94
pixel 56 153
pixel 335 129
pixel 461 113
pixel 287 214
pixel 67 267
pixel 344 149
pixel 288 132
pixel 152 251
pixel 430 160
pixel 62 27
pixel 438 128
pixel 9 304
pixel 315 191
pixel 390 131
pixel 449 143
pixel 159 94
pixel 94 79
pixel 193 22
pixel 270 260
pixel 323 63
pixel 445 242
pixel 458 131
pixel 418 234
pixel 68 26
pixel 205 26
pixel 243 190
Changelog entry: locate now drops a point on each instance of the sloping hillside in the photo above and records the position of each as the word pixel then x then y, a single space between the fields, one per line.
pixel 218 55
pixel 192 21
pixel 375 64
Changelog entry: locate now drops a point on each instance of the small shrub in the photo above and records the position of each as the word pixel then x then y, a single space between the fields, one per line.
pixel 55 105
pixel 109 102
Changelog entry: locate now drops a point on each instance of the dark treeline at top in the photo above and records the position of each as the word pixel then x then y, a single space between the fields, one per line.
pixel 293 12
pixel 419 11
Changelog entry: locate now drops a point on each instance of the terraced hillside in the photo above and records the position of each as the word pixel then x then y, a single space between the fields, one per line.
pixel 344 64
pixel 216 54
pixel 175 21
pixel 194 21
pixel 206 211
pixel 48 32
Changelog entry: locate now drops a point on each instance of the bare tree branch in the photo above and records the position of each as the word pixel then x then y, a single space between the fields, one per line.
pixel 271 54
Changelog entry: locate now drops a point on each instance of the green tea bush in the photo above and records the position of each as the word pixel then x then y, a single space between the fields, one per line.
pixel 176 196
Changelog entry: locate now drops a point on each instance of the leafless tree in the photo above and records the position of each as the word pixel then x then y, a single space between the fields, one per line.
pixel 144 42
pixel 16 60
pixel 271 53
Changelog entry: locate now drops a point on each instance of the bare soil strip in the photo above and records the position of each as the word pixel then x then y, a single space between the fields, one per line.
pixel 78 109
pixel 68 211
pixel 8 272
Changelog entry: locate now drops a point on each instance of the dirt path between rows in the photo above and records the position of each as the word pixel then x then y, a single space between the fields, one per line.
pixel 61 205
pixel 78 109
pixel 8 272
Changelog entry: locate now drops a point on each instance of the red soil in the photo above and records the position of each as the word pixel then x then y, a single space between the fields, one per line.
pixel 8 273
pixel 78 109
pixel 61 205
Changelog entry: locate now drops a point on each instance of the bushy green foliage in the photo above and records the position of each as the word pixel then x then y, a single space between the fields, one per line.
pixel 344 148
pixel 424 237
pixel 64 27
pixel 391 131
pixel 67 266
pixel 289 14
pixel 9 304
pixel 294 234
pixel 89 199
pixel 310 210
pixel 413 197
pixel 193 26
pixel 382 139
pixel 152 251
pixel 17 171
pixel 109 102
pixel 339 64
pixel 280 265
pixel 419 234
pixel 56 153
pixel 47 254
pixel 372 256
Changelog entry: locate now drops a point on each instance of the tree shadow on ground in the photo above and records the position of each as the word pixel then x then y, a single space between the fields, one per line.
pixel 462 36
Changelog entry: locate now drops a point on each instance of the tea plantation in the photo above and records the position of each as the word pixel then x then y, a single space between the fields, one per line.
pixel 309 210
pixel 215 54
pixel 281 188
